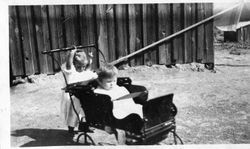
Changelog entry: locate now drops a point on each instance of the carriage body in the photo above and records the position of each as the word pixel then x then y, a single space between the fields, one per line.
pixel 158 113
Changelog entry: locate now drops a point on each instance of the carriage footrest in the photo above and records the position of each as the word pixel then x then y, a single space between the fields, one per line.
pixel 158 134
pixel 152 134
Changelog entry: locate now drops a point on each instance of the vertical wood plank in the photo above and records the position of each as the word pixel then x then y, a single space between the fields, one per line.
pixel 46 38
pixel 164 25
pixel 60 31
pixel 32 36
pixel 200 35
pixel 244 32
pixel 12 77
pixel 150 32
pixel 102 32
pixel 38 21
pixel 239 35
pixel 27 39
pixel 87 24
pixel 209 35
pixel 121 28
pixel 110 14
pixel 194 32
pixel 177 26
pixel 54 35
pixel 188 34
pixel 248 35
pixel 16 55
pixel 70 22
pixel 135 32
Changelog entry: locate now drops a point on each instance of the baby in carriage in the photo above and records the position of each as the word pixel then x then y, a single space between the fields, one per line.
pixel 107 76
pixel 76 69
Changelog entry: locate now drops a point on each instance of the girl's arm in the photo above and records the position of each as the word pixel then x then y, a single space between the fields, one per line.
pixel 69 61
pixel 90 60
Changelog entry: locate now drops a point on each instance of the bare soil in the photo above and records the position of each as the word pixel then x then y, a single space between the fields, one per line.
pixel 213 106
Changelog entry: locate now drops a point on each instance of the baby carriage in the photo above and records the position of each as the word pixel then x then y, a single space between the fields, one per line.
pixel 158 114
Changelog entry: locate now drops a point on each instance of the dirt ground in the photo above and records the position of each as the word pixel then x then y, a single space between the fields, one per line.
pixel 213 106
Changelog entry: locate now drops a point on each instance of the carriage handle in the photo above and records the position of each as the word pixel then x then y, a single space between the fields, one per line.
pixel 75 47
pixel 69 48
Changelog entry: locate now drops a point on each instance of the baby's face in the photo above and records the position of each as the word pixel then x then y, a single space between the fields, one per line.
pixel 80 61
pixel 79 67
pixel 108 83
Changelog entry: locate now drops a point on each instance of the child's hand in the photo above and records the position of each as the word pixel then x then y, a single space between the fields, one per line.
pixel 73 51
pixel 108 129
pixel 90 54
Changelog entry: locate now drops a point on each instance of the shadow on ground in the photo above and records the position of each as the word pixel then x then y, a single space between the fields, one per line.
pixel 229 65
pixel 45 137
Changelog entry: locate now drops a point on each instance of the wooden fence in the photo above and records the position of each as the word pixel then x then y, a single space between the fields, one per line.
pixel 117 30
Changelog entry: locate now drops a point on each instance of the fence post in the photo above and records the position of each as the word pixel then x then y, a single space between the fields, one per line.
pixel 121 28
pixel 135 32
pixel 178 41
pixel 194 32
pixel 150 32
pixel 16 55
pixel 87 29
pixel 164 25
pixel 27 40
pixel 188 34
pixel 54 28
pixel 209 57
pixel 200 35
pixel 102 32
pixel 110 12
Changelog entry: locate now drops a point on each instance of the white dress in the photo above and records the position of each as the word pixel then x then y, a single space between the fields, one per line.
pixel 121 108
pixel 67 110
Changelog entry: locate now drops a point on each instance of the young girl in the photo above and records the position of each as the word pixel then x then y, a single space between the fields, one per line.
pixel 76 69
pixel 107 77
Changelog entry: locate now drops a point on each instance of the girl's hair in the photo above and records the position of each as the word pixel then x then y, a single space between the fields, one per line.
pixel 80 57
pixel 107 71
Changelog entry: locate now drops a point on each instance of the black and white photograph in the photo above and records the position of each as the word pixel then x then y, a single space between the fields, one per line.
pixel 128 74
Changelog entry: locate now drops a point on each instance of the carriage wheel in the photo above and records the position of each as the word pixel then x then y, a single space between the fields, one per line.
pixel 87 139
pixel 176 137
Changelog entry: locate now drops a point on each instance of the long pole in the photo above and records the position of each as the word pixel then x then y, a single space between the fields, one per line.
pixel 172 36
pixel 69 48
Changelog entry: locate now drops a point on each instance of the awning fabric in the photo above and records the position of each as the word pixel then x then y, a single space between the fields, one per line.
pixel 234 19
